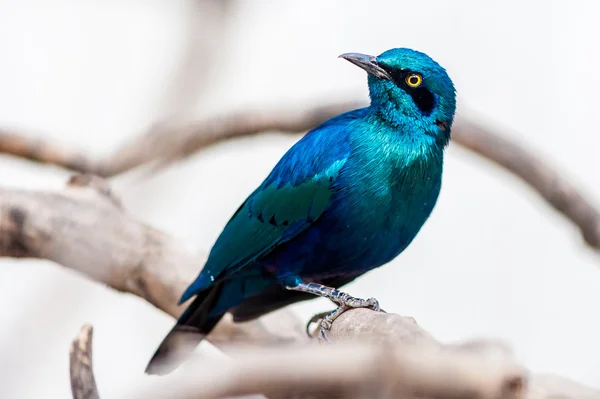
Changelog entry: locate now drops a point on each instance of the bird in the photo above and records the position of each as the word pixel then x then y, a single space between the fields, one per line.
pixel 346 198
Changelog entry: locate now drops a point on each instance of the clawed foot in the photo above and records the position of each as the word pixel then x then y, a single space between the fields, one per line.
pixel 352 302
pixel 345 303
pixel 316 318
pixel 343 300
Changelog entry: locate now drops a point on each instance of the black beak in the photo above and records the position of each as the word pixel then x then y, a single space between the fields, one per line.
pixel 368 63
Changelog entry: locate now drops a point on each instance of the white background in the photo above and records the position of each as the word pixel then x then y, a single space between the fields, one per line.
pixel 493 260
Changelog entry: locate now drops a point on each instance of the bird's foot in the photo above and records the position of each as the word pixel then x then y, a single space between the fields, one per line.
pixel 346 302
pixel 327 321
pixel 344 299
pixel 316 318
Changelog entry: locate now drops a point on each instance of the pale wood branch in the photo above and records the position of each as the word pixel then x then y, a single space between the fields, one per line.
pixel 365 326
pixel 83 383
pixel 166 143
pixel 344 370
pixel 491 142
pixel 85 228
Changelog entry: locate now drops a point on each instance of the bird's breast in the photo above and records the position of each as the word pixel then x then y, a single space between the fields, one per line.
pixel 382 202
pixel 392 174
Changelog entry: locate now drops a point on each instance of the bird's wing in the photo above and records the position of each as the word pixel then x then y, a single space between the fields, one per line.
pixel 294 195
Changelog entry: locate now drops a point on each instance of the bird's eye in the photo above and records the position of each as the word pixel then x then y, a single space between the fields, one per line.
pixel 414 80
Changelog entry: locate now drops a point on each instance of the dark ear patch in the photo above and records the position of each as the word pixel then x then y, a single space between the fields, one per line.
pixel 422 96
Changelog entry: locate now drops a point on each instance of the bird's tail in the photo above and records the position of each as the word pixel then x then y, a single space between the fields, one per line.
pixel 191 328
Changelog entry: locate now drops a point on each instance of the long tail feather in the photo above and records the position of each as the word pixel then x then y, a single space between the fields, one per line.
pixel 191 328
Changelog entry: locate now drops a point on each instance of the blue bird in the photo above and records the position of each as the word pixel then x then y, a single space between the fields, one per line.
pixel 348 197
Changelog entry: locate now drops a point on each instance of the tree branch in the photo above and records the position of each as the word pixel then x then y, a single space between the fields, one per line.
pixel 346 370
pixel 557 190
pixel 85 228
pixel 83 383
pixel 166 143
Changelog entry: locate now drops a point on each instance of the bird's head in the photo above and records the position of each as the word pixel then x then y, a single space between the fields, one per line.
pixel 408 83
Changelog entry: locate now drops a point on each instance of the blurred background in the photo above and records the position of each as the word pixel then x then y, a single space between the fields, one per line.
pixel 492 261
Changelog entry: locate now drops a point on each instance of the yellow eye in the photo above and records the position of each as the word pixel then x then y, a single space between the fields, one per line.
pixel 414 80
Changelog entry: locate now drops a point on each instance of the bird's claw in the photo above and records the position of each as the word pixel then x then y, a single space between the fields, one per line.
pixel 326 324
pixel 352 302
pixel 314 319
pixel 324 332
pixel 373 304
pixel 327 321
pixel 349 302
pixel 344 302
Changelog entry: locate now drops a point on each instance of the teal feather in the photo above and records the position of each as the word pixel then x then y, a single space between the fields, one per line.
pixel 274 213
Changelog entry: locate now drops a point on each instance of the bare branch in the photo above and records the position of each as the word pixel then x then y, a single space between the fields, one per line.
pixel 168 143
pixel 355 370
pixel 360 326
pixel 84 228
pixel 489 142
pixel 378 328
pixel 43 151
pixel 83 383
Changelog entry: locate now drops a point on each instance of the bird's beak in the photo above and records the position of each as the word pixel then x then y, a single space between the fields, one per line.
pixel 368 63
